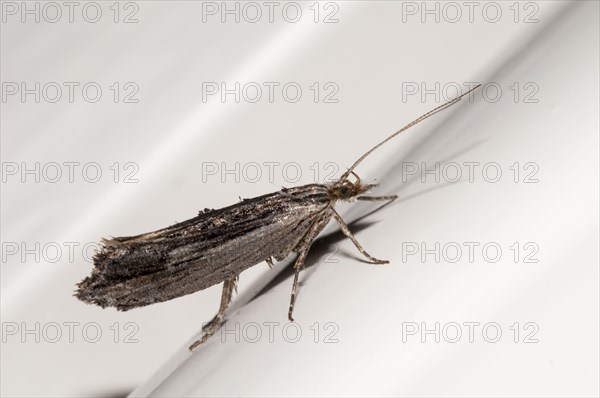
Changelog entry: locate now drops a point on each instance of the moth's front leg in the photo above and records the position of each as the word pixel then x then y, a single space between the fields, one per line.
pixel 346 231
pixel 213 326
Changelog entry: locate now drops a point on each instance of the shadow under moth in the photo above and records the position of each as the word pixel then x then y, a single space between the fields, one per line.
pixel 217 245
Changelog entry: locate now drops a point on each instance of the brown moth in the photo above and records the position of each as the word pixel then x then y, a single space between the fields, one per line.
pixel 217 245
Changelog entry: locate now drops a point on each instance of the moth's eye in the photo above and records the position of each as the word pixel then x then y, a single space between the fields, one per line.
pixel 344 191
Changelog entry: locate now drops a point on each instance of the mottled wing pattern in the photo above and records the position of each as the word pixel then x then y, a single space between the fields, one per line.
pixel 192 255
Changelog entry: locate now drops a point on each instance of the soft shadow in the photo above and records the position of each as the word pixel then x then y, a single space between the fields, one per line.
pixel 320 248
pixel 115 393
pixel 397 169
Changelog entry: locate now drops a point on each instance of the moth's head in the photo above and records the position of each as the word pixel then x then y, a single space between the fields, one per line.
pixel 344 189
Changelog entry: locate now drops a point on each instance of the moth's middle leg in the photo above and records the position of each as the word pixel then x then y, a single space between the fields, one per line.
pixel 347 232
pixel 229 285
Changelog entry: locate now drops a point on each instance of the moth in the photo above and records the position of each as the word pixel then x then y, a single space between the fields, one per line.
pixel 217 245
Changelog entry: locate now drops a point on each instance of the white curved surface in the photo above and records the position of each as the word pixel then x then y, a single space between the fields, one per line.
pixel 368 54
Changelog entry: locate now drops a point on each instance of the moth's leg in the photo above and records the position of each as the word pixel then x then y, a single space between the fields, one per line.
pixel 269 261
pixel 211 328
pixel 374 198
pixel 299 264
pixel 347 232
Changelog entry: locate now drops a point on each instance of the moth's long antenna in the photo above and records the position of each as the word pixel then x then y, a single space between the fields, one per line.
pixel 416 121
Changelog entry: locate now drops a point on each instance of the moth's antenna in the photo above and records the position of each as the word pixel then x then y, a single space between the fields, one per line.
pixel 416 121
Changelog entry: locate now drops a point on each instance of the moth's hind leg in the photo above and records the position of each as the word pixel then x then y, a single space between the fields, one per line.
pixel 347 232
pixel 213 326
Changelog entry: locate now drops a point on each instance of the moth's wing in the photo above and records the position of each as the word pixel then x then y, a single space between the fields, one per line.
pixel 192 255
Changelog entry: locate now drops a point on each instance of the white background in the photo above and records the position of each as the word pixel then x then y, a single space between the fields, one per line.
pixel 545 60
